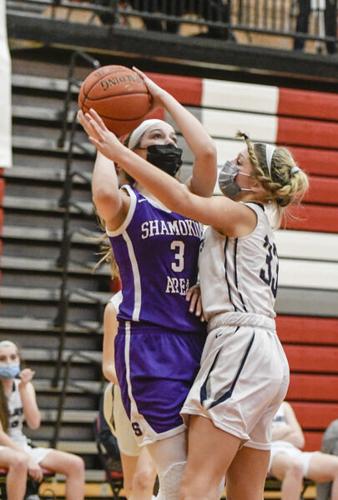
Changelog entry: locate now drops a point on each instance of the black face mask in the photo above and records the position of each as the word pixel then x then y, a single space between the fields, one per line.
pixel 166 157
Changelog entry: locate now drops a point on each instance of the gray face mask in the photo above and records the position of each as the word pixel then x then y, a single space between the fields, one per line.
pixel 227 180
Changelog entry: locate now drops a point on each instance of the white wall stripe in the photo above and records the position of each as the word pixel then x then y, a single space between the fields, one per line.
pixel 307 245
pixel 239 96
pixel 137 278
pixel 308 274
pixel 227 123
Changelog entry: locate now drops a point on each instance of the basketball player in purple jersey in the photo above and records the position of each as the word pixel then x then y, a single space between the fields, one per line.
pixel 244 372
pixel 159 342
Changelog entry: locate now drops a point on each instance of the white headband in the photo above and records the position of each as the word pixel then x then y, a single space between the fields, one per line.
pixel 269 151
pixel 7 343
pixel 136 134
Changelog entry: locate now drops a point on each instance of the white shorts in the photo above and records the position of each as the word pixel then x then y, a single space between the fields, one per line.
pixel 36 454
pixel 243 379
pixel 118 421
pixel 282 447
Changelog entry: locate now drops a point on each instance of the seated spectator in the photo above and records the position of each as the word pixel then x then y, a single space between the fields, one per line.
pixel 18 403
pixel 290 465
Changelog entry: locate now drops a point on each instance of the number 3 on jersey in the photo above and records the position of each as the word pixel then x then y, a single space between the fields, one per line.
pixel 178 264
pixel 270 273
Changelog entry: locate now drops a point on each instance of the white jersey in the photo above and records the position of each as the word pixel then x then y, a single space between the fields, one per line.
pixel 239 274
pixel 16 416
pixel 15 425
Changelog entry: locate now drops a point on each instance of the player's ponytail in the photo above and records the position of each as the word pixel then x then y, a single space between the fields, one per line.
pixel 275 168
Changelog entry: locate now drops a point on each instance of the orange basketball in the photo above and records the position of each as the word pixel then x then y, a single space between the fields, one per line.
pixel 118 95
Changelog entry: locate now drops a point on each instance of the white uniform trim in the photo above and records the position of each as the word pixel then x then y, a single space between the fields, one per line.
pixel 133 405
pixel 130 213
pixel 137 278
pixel 116 300
pixel 240 319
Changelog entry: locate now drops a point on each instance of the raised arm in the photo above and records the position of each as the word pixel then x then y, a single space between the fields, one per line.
pixel 230 218
pixel 109 332
pixel 111 203
pixel 204 173
pixel 28 398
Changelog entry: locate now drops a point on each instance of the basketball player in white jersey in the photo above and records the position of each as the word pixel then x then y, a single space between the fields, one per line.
pixel 289 464
pixel 244 373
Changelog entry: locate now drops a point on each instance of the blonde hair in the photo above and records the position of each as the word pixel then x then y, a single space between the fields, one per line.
pixel 106 254
pixel 283 180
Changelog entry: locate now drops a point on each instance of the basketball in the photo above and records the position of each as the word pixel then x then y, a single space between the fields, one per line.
pixel 118 95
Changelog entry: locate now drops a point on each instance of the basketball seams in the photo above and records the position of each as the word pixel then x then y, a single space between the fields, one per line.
pixel 117 119
pixel 117 95
pixel 132 97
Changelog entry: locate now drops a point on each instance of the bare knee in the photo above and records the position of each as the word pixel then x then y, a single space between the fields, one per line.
pixel 19 462
pixel 76 466
pixel 143 480
pixel 294 470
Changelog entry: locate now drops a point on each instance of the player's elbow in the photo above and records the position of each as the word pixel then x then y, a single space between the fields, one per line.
pixel 34 421
pixel 106 204
pixel 109 372
pixel 209 152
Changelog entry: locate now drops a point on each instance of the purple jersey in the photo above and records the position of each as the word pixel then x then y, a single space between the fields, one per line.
pixel 157 254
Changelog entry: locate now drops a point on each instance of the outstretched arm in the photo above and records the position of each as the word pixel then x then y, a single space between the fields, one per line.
pixel 28 398
pixel 228 217
pixel 204 173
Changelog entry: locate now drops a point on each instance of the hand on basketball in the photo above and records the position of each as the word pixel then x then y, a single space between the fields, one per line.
pixel 194 297
pixel 154 90
pixel 103 139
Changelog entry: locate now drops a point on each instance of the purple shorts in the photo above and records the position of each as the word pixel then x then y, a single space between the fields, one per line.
pixel 156 369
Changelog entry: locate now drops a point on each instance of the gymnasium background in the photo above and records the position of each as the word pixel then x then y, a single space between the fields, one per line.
pixel 248 78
